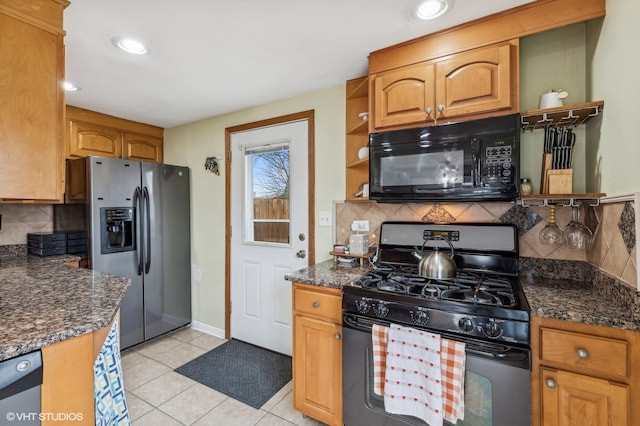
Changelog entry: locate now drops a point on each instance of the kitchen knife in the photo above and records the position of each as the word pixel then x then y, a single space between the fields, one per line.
pixel 572 142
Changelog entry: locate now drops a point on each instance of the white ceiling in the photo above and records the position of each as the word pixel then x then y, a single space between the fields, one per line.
pixel 210 57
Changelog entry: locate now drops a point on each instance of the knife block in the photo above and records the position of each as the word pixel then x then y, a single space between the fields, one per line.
pixel 546 166
pixel 558 181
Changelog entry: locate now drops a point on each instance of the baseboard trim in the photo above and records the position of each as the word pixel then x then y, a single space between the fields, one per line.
pixel 209 329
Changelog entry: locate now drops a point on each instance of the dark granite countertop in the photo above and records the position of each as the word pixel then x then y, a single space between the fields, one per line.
pixel 576 301
pixel 44 301
pixel 564 299
pixel 328 274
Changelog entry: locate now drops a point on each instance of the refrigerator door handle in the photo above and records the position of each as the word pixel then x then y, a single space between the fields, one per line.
pixel 137 201
pixel 147 237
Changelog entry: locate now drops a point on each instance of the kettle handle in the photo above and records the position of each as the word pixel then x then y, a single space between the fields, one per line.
pixel 439 237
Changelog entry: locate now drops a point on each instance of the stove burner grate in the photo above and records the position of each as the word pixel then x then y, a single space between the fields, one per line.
pixel 467 287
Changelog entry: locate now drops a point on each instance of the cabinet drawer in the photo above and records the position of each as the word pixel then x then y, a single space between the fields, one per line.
pixel 317 303
pixel 598 354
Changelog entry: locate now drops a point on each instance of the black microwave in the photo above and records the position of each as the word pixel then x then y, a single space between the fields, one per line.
pixel 475 160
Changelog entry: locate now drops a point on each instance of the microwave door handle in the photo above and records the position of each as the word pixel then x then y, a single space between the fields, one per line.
pixel 476 157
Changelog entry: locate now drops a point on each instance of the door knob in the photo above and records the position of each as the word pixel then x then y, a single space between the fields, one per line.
pixel 301 254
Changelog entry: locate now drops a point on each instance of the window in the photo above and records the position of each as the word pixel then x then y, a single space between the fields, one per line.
pixel 267 172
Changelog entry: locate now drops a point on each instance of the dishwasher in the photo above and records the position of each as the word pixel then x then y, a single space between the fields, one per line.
pixel 20 386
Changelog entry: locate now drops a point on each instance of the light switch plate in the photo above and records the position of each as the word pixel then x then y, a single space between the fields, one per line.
pixel 325 218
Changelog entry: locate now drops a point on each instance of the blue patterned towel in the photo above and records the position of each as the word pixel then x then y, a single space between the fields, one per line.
pixel 111 405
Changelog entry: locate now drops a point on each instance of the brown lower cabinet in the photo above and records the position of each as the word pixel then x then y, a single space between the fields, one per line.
pixel 317 352
pixel 68 377
pixel 584 375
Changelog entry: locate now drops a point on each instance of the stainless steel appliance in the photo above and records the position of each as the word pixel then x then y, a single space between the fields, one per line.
pixel 473 160
pixel 138 226
pixel 20 388
pixel 483 306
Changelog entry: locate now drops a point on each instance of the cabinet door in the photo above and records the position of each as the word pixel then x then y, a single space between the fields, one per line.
pixel 317 369
pixel 403 96
pixel 31 114
pixel 475 81
pixel 142 147
pixel 570 399
pixel 93 139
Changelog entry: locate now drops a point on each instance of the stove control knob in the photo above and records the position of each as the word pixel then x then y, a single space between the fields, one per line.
pixel 492 329
pixel 381 309
pixel 362 306
pixel 465 324
pixel 420 317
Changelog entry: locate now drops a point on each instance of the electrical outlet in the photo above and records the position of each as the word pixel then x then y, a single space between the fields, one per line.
pixel 360 225
pixel 325 218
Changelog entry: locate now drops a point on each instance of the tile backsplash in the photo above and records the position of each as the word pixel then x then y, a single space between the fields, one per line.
pixel 20 219
pixel 613 225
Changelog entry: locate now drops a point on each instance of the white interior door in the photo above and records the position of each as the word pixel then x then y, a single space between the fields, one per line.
pixel 269 234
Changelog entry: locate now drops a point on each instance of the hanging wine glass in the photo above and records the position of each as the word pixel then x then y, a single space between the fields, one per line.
pixel 551 234
pixel 576 234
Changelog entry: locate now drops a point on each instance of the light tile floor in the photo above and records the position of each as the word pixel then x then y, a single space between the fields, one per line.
pixel 158 396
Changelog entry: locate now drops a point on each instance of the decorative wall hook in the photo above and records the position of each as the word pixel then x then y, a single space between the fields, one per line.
pixel 211 164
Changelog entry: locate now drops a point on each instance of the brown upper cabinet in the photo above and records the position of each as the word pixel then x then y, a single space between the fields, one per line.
pixel 462 86
pixel 92 133
pixel 32 106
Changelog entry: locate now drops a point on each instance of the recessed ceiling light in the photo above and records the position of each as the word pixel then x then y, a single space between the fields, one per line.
pixel 430 9
pixel 130 45
pixel 70 87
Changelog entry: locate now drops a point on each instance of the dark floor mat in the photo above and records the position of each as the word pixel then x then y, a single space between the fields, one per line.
pixel 242 371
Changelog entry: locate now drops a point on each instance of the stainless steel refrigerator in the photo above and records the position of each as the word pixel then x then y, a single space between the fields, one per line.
pixel 138 226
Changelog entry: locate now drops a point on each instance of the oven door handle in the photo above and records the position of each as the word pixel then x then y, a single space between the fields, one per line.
pixel 511 356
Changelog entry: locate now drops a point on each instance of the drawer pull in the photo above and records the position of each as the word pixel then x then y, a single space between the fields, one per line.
pixel 583 353
pixel 336 336
pixel 316 305
pixel 550 383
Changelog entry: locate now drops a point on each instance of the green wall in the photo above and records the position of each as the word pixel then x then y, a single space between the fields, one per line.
pixel 591 61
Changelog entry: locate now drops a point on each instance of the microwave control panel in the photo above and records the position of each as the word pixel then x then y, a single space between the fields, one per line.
pixel 498 162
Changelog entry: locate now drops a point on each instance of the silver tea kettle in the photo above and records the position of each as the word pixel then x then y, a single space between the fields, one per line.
pixel 437 265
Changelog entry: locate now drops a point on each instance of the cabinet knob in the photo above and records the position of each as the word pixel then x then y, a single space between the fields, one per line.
pixel 550 383
pixel 316 304
pixel 582 353
pixel 429 111
pixel 336 336
pixel 440 108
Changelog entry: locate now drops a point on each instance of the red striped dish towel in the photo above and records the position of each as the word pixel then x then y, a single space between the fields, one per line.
pixel 452 365
pixel 413 377
pixel 379 339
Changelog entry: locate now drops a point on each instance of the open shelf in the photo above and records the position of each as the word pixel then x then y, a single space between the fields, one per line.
pixel 591 199
pixel 362 127
pixel 359 163
pixel 568 115
pixel 361 89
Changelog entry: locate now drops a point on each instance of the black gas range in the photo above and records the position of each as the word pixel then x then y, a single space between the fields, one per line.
pixel 482 307
pixel 483 301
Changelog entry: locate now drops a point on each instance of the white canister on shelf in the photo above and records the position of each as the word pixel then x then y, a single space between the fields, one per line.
pixel 363 153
